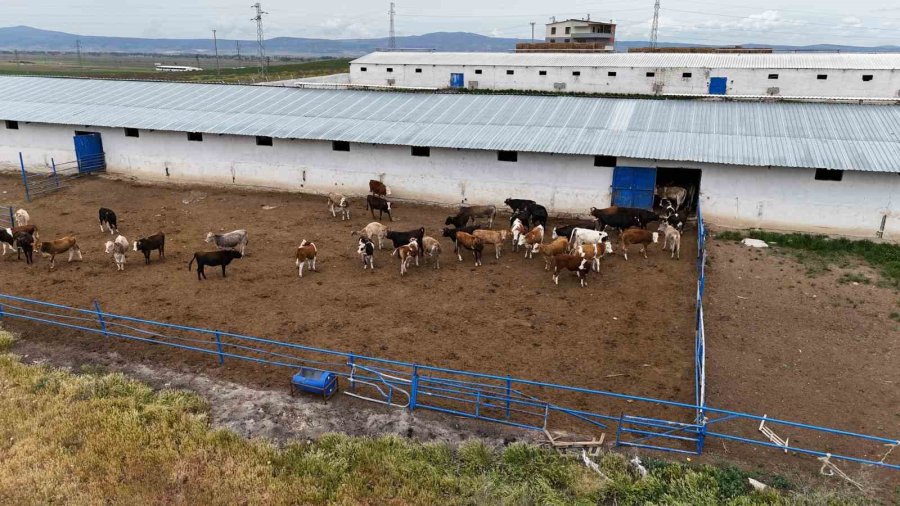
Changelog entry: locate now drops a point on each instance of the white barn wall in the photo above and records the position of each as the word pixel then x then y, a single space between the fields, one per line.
pixel 731 196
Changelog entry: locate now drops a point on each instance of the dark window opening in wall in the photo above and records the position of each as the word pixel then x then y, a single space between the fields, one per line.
pixel 568 29
pixel 262 140
pixel 604 161
pixel 542 72
pixel 390 69
pixel 867 77
pixel 418 71
pixel 553 30
pixel 822 77
pixel 195 136
pixel 611 73
pixel 363 69
pixel 478 71
pixel 566 40
pixel 340 146
pixel 651 74
pixel 510 72
pixel 773 76
pixel 12 125
pixel 686 75
pixel 421 151
pixel 132 132
pixel 576 73
pixel 508 156
pixel 829 175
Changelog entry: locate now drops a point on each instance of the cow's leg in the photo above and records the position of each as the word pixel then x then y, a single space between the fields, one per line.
pixel 101 226
pixel 300 268
pixel 71 254
pixel 223 271
pixel 644 250
pixel 459 253
pixel 314 263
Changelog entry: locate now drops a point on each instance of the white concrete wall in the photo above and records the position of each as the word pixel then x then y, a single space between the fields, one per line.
pixel 790 82
pixel 731 196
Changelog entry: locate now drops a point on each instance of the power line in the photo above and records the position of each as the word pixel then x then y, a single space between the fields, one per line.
pixel 392 35
pixel 261 50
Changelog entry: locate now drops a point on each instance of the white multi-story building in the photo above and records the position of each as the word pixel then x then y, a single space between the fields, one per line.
pixel 581 31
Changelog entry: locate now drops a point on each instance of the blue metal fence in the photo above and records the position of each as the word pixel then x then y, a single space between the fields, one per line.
pixel 59 175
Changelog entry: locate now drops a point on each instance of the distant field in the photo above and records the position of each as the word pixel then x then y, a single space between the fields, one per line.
pixel 142 67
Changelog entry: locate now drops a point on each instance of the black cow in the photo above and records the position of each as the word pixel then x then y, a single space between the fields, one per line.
pixel 643 216
pixel 620 220
pixel 108 218
pixel 25 242
pixel 566 231
pixel 402 238
pixel 537 214
pixel 677 220
pixel 518 204
pixel 6 238
pixel 221 257
pixel 522 216
pixel 374 202
pixel 148 244
pixel 451 233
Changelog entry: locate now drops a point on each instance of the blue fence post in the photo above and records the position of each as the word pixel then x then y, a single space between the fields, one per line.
pixel 478 404
pixel 1 311
pixel 55 175
pixel 414 394
pixel 219 347
pixel 100 318
pixel 12 217
pixel 350 363
pixel 24 177
pixel 508 391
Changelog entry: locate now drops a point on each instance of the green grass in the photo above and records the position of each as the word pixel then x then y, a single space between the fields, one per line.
pixel 103 438
pixel 819 252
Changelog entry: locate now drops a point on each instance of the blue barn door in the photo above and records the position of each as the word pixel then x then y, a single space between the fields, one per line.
pixel 89 152
pixel 718 85
pixel 634 187
pixel 457 81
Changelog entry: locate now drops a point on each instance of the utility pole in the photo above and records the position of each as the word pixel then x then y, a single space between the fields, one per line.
pixel 392 36
pixel 216 47
pixel 78 50
pixel 237 47
pixel 654 30
pixel 532 31
pixel 261 50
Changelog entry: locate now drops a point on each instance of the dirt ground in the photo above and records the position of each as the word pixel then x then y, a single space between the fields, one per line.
pixel 630 331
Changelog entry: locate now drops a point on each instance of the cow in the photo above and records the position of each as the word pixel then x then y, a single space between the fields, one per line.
pixel 471 243
pixel 643 216
pixel 58 247
pixel 373 231
pixel 378 188
pixel 471 213
pixel 531 240
pixel 306 256
pixel 517 231
pixel 403 238
pixel 339 202
pixel 673 193
pixel 566 231
pixel 592 252
pixel 232 240
pixel 581 236
pixel 671 239
pixel 523 216
pixel 619 221
pixel 374 202
pixel 432 249
pixel 451 233
pixel 558 246
pixel 518 204
pixel 145 245
pixel 406 253
pixel 213 258
pixel 22 218
pixel 537 214
pixel 597 213
pixel 366 251
pixel 108 218
pixel 25 243
pixel 7 240
pixel 495 237
pixel 637 236
pixel 14 231
pixel 581 267
pixel 676 219
pixel 118 248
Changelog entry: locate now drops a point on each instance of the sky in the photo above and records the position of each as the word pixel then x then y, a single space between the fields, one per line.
pixel 861 23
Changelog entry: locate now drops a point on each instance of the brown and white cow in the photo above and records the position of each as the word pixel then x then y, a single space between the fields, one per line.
pixel 306 256
pixel 637 236
pixel 406 253
pixel 495 237
pixel 531 240
pixel 471 243
pixel 580 266
pixel 58 247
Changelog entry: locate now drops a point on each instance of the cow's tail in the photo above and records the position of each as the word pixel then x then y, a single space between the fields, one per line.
pixel 192 262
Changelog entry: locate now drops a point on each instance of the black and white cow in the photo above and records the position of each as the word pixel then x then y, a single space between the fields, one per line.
pixel 108 218
pixel 366 252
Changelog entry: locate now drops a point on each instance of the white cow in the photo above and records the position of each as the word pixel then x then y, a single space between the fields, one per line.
pixel 587 236
pixel 232 240
pixel 373 231
pixel 339 203
pixel 22 218
pixel 676 194
pixel 118 249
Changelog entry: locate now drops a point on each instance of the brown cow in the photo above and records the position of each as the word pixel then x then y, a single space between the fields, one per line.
pixel 597 213
pixel 306 255
pixel 558 246
pixel 531 240
pixel 495 237
pixel 378 188
pixel 637 236
pixel 471 243
pixel 406 253
pixel 58 247
pixel 581 267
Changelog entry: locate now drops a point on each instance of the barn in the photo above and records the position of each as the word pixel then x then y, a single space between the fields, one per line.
pixel 813 76
pixel 815 167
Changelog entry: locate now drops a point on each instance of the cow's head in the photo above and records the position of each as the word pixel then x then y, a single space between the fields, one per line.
pixel 233 254
pixel 210 237
pixel 343 202
pixel 109 246
pixel 655 237
pixel 607 245
pixel 388 206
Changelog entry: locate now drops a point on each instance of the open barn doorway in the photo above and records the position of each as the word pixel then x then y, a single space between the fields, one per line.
pixel 689 179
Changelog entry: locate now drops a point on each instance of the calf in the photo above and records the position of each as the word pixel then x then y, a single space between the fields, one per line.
pixel 383 206
pixel 559 246
pixel 306 255
pixel 213 258
pixel 566 231
pixel 521 216
pixel 518 204
pixel 22 218
pixel 147 244
pixel 403 238
pixel 581 267
pixel 25 243
pixel 232 240
pixel 118 249
pixel 7 240
pixel 495 237
pixel 471 243
pixel 537 214
pixel 378 188
pixel 676 219
pixel 676 194
pixel 671 239
pixel 108 218
pixel 597 213
pixel 339 202
pixel 637 236
pixel 517 231
pixel 58 247
pixel 432 248
pixel 373 231
pixel 592 252
pixel 406 253
pixel 587 236
pixel 451 233
pixel 471 213
pixel 366 251
pixel 531 240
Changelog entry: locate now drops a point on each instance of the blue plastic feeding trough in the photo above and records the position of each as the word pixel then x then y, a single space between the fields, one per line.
pixel 314 381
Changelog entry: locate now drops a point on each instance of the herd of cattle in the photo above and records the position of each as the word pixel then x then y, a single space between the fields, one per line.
pixel 576 247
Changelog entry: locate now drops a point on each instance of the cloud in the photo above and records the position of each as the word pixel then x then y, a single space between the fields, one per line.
pixel 852 21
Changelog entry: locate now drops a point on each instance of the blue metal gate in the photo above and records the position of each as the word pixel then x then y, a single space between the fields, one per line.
pixel 89 152
pixel 634 187
pixel 457 81
pixel 718 85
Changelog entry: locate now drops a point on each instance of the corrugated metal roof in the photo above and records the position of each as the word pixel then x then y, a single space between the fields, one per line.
pixel 838 61
pixel 836 136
